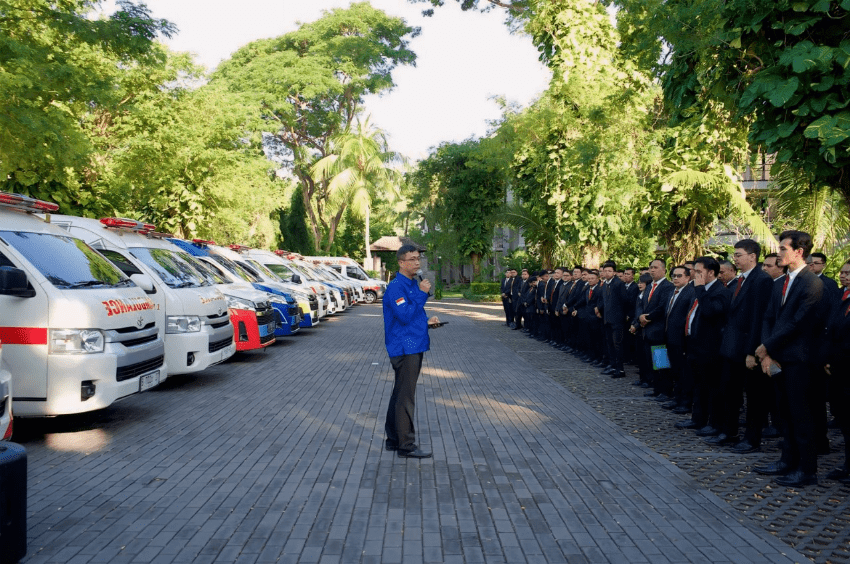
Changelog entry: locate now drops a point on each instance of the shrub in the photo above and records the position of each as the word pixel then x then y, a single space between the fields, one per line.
pixel 485 288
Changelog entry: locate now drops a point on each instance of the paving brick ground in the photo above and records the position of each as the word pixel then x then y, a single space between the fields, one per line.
pixel 277 457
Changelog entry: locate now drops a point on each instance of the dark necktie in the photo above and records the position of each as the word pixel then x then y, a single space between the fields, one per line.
pixel 846 293
pixel 738 286
pixel 785 287
pixel 672 299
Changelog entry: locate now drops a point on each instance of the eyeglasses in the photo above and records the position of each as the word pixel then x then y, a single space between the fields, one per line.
pixel 678 275
pixel 414 259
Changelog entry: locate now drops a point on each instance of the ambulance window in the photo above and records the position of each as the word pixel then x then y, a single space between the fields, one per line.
pixel 119 260
pixel 170 267
pixel 4 261
pixel 260 268
pixel 66 262
pixel 207 270
pixel 282 272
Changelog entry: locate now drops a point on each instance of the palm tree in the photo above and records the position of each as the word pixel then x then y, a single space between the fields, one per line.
pixel 359 170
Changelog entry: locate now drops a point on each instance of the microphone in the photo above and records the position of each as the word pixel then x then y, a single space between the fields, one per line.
pixel 419 278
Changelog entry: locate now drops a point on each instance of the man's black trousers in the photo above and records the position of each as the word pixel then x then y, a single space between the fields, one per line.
pixel 399 425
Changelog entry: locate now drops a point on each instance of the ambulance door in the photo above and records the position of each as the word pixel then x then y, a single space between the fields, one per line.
pixel 23 332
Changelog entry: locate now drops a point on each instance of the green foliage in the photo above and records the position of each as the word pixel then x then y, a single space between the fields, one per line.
pixel 293 226
pixel 58 65
pixel 307 87
pixel 481 288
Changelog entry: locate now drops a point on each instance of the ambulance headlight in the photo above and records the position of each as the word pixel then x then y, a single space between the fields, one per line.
pixel 76 341
pixel 182 324
pixel 240 303
pixel 277 299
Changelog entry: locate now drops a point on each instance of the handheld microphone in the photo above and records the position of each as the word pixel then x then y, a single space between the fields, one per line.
pixel 419 279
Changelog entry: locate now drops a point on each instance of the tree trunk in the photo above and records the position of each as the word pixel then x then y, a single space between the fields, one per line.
pixel 476 265
pixel 334 224
pixel 306 194
pixel 366 234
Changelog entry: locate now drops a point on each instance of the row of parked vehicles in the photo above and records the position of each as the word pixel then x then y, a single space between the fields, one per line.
pixel 94 310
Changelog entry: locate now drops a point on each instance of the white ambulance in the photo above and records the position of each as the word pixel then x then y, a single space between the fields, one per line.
pixel 5 400
pixel 191 311
pixel 77 334
pixel 373 287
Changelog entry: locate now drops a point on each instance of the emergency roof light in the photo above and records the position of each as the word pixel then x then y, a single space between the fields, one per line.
pixel 159 235
pixel 26 203
pixel 280 252
pixel 131 224
pixel 238 248
pixel 202 242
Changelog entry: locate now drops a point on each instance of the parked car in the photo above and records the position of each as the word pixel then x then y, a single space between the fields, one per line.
pixel 374 288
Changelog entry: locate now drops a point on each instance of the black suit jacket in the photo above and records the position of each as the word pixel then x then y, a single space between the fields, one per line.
pixel 674 322
pixel 587 305
pixel 837 339
pixel 655 309
pixel 529 297
pixel 632 292
pixel 552 295
pixel 516 290
pixel 709 320
pixel 742 334
pixel 541 291
pixel 790 331
pixel 563 292
pixel 576 295
pixel 613 306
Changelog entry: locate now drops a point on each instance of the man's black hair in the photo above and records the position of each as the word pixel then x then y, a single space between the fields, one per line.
pixel 799 240
pixel 749 246
pixel 609 263
pixel 818 255
pixel 404 249
pixel 709 263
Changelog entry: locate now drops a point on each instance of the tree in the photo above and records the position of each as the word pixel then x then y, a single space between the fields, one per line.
pixel 293 226
pixel 307 86
pixel 357 171
pixel 57 65
pixel 468 185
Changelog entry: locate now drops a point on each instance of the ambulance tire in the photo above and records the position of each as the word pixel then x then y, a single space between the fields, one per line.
pixel 371 297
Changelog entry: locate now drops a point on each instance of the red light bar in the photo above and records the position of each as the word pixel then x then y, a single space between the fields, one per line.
pixel 27 203
pixel 238 248
pixel 131 224
pixel 280 253
pixel 158 235
pixel 202 242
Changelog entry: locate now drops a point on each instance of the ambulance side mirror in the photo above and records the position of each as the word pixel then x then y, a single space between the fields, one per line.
pixel 144 282
pixel 13 282
pixel 296 279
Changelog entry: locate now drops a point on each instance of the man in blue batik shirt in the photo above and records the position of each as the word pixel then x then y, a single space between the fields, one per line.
pixel 406 337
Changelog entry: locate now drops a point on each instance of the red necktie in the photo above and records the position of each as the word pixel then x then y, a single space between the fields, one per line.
pixel 785 288
pixel 846 293
pixel 738 286
pixel 651 290
pixel 590 295
pixel 688 318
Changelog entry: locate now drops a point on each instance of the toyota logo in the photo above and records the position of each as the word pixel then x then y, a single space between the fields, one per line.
pixel 140 321
pixel 220 311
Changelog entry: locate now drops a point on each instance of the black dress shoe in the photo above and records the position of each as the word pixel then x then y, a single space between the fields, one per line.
pixel 744 447
pixel 607 371
pixel 797 478
pixel 777 468
pixel 660 398
pixel 637 383
pixel 669 405
pixel 620 374
pixel 770 432
pixel 721 439
pixel 681 409
pixel 686 424
pixel 416 453
pixel 644 385
pixel 651 394
pixel 708 431
pixel 390 445
pixel 838 474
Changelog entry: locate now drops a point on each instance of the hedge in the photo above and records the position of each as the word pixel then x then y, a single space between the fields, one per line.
pixel 485 288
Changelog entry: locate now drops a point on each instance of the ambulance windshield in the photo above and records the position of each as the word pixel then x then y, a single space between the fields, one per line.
pixel 66 262
pixel 171 267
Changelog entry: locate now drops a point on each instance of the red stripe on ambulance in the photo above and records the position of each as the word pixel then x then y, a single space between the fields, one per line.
pixel 23 335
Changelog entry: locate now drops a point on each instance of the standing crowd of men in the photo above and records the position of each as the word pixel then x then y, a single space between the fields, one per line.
pixel 709 337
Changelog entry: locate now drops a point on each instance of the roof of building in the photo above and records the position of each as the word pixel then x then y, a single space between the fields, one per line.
pixel 387 243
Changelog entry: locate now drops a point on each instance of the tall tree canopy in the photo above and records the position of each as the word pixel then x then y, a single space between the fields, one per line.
pixel 308 86
pixel 56 65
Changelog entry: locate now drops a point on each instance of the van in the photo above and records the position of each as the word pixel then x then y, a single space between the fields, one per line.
pixel 374 288
pixel 77 333
pixel 191 312
pixel 5 400
pixel 307 299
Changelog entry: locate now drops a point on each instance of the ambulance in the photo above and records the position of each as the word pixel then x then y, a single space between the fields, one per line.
pixel 5 399
pixel 308 300
pixel 288 272
pixel 191 312
pixel 77 334
pixel 348 267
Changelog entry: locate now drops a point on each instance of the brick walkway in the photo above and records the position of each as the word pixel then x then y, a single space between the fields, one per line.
pixel 277 457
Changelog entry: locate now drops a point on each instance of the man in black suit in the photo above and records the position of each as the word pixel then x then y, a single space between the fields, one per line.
pixel 769 265
pixel 676 382
pixel 655 298
pixel 789 333
pixel 742 334
pixel 506 296
pixel 632 291
pixel 816 263
pixel 560 304
pixel 613 307
pixel 590 321
pixel 552 291
pixel 838 368
pixel 517 292
pixel 728 273
pixel 576 292
pixel 703 332
pixel 541 323
pixel 529 303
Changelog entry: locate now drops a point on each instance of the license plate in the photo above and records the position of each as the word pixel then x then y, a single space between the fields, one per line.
pixel 148 381
pixel 264 329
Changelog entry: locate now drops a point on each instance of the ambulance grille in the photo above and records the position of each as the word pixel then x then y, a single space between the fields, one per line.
pixel 218 345
pixel 266 318
pixel 218 321
pixel 123 330
pixel 267 338
pixel 134 370
pixel 139 341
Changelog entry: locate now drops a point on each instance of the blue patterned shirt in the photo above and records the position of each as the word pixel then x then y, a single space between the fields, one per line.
pixel 405 321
